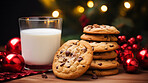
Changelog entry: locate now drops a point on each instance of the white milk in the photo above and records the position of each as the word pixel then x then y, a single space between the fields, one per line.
pixel 40 45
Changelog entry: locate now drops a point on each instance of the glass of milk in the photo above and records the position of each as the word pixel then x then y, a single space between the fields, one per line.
pixel 40 39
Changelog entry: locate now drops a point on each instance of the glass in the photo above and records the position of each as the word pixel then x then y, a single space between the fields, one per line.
pixel 40 39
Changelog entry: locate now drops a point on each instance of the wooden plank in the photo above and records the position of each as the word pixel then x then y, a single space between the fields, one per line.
pixel 122 77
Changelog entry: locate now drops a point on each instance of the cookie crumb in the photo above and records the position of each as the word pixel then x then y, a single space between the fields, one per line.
pixel 44 75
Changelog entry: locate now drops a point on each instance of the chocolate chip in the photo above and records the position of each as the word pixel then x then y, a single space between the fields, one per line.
pixel 61 51
pixel 105 36
pixel 76 43
pixel 64 59
pixel 56 67
pixel 89 26
pixel 111 45
pixel 83 65
pixel 70 54
pixel 62 64
pixel 104 26
pixel 80 59
pixel 44 75
pixel 105 48
pixel 68 66
pixel 92 48
pixel 84 49
pixel 73 55
pixel 100 64
pixel 70 45
pixel 67 61
pixel 57 56
pixel 96 25
pixel 94 76
pixel 67 53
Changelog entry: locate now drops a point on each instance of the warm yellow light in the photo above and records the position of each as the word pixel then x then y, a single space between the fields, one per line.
pixel 55 13
pixel 80 9
pixel 90 4
pixel 104 8
pixel 127 5
pixel 27 18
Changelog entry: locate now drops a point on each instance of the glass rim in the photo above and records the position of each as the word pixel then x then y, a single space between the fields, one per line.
pixel 39 18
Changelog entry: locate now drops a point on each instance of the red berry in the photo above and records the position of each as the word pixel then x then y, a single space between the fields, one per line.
pixel 123 38
pixel 129 48
pixel 135 47
pixel 132 39
pixel 119 37
pixel 139 38
pixel 130 42
pixel 125 45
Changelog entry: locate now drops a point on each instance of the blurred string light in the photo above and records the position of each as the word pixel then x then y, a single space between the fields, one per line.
pixel 104 8
pixel 80 9
pixel 90 4
pixel 55 13
pixel 127 5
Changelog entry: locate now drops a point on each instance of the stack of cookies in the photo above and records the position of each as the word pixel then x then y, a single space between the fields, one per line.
pixel 103 42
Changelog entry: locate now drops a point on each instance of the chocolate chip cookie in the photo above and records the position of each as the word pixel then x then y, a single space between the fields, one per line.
pixel 102 72
pixel 72 59
pixel 104 55
pixel 98 37
pixel 104 64
pixel 100 29
pixel 104 46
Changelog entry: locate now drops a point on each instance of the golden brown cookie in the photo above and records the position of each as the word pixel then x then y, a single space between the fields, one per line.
pixel 100 29
pixel 103 72
pixel 72 59
pixel 104 55
pixel 104 64
pixel 99 37
pixel 104 46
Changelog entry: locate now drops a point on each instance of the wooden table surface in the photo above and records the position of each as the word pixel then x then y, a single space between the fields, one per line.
pixel 122 77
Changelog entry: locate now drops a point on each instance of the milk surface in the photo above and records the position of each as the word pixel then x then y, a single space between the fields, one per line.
pixel 39 45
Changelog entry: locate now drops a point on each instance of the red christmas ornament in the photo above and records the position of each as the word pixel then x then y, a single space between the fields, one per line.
pixel 13 62
pixel 142 57
pixel 139 38
pixel 13 46
pixel 131 65
pixel 135 47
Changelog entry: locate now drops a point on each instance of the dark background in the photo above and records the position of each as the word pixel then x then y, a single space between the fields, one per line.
pixel 130 22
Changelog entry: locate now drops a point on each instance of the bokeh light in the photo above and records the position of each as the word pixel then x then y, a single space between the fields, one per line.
pixel 90 4
pixel 55 13
pixel 127 5
pixel 104 8
pixel 80 9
